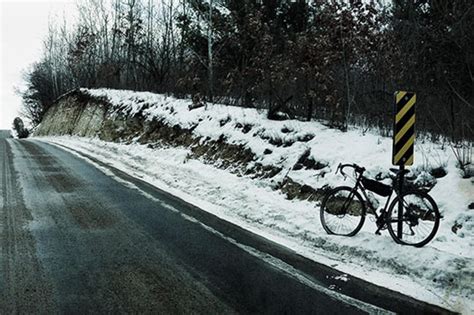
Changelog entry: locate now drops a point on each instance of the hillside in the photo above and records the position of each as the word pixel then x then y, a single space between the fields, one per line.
pixel 269 177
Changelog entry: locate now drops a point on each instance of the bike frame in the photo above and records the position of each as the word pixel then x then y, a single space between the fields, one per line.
pixel 358 186
pixel 395 193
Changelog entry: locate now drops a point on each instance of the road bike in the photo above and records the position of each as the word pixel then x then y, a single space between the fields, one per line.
pixel 412 217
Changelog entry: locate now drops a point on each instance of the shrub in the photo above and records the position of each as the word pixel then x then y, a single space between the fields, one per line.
pixel 19 128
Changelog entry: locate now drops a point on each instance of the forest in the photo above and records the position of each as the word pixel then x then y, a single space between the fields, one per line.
pixel 333 60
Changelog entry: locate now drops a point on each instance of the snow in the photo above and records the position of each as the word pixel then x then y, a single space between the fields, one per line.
pixel 342 277
pixel 440 273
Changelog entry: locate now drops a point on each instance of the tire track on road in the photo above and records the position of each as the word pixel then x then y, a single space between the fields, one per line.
pixel 98 259
pixel 24 287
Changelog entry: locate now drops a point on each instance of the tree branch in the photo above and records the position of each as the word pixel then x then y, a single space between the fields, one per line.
pixel 459 95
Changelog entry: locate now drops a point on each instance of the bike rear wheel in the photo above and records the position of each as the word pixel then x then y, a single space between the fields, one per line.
pixel 342 212
pixel 420 219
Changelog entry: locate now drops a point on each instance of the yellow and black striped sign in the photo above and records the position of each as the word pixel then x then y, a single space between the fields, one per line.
pixel 404 128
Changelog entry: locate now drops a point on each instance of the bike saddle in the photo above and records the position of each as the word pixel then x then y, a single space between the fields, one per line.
pixel 398 171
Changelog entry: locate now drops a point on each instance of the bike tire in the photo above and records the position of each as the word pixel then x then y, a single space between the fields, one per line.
pixel 333 215
pixel 423 216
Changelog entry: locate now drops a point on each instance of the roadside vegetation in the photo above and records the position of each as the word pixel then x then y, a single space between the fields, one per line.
pixel 335 60
pixel 20 129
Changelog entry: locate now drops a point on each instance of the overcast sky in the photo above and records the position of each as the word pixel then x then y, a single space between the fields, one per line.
pixel 24 25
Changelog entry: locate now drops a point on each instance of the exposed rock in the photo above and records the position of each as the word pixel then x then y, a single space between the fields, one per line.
pixel 294 190
pixel 262 171
pixel 278 116
pixel 195 106
pixel 74 113
pixel 223 122
pixel 77 113
pixel 306 189
pixel 438 172
pixel 245 127
pixel 276 141
pixel 286 130
pixel 305 138
pixel 297 167
pixel 456 227
pixel 304 156
pixel 308 162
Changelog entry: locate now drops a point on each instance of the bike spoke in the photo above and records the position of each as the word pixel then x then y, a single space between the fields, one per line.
pixel 342 212
pixel 420 218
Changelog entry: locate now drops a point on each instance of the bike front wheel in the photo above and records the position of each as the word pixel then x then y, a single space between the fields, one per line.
pixel 342 211
pixel 416 222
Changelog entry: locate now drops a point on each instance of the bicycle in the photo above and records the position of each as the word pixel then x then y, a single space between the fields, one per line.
pixel 412 218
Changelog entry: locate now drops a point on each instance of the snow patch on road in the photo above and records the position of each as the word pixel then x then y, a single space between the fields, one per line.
pixel 342 277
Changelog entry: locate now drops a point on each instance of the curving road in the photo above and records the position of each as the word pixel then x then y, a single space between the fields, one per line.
pixel 75 239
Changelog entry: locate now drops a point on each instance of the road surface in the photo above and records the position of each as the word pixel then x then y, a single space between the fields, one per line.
pixel 77 239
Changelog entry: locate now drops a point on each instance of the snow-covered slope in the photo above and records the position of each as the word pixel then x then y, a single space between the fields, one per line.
pixel 441 272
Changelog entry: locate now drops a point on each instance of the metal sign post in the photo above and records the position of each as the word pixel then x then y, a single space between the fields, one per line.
pixel 403 142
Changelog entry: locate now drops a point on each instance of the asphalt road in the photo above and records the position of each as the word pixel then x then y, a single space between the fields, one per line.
pixel 74 239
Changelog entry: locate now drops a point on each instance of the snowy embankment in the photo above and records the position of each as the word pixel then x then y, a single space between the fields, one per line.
pixel 440 273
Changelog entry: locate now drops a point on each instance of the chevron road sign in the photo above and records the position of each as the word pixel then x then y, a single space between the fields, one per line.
pixel 404 128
